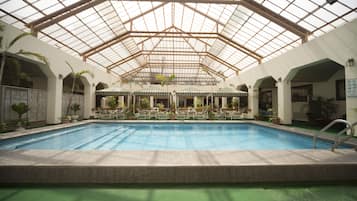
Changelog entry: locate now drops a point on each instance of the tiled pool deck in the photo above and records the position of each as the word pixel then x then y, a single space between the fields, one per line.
pixel 241 166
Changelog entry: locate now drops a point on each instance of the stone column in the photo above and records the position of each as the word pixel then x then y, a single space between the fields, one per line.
pixel 253 102
pixel 151 101
pixel 194 101
pixel 216 102
pixel 224 102
pixel 89 100
pixel 54 100
pixel 284 102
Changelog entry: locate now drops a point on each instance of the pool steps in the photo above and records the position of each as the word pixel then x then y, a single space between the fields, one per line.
pixel 31 141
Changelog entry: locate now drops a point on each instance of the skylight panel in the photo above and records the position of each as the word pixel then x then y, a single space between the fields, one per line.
pixel 314 21
pixel 307 26
pixel 289 16
pixel 337 8
pixel 300 13
pixel 272 7
pixel 351 16
pixel 150 21
pixel 306 5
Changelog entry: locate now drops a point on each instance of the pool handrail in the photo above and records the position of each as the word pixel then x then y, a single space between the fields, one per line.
pixel 348 126
pixel 338 142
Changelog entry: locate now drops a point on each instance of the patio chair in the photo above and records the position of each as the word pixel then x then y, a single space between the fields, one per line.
pixel 236 116
pixel 181 115
pixel 163 116
pixel 153 114
pixel 141 115
pixel 200 116
pixel 220 115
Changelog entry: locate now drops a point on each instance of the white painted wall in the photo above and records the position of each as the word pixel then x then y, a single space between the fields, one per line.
pixel 57 59
pixel 338 45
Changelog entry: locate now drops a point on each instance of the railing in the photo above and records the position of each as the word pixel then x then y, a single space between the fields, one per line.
pixel 348 127
pixel 338 142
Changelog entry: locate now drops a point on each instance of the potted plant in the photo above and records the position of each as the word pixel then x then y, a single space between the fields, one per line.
pixel 144 103
pixel 112 103
pixel 20 109
pixel 161 107
pixel 75 107
pixel 235 104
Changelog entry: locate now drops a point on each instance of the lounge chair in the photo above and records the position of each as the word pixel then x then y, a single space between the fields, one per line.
pixel 181 115
pixel 236 115
pixel 141 115
pixel 220 115
pixel 200 116
pixel 163 116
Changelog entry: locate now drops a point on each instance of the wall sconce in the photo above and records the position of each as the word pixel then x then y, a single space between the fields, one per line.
pixel 279 79
pixel 350 62
pixel 60 76
pixel 249 86
pixel 93 84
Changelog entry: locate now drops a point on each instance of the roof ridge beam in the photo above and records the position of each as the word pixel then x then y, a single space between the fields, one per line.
pixel 62 14
pixel 201 13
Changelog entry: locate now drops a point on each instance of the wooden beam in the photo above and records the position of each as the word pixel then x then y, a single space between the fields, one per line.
pixel 221 61
pixel 276 18
pixel 146 12
pixel 135 70
pixel 106 44
pixel 201 13
pixel 211 70
pixel 62 14
pixel 127 59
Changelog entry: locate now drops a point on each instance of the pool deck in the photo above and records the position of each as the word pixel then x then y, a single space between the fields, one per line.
pixel 230 166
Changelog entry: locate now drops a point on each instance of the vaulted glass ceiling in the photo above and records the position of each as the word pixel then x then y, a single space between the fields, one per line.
pixel 200 41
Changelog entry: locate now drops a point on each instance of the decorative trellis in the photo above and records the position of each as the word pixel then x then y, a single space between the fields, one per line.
pixel 36 99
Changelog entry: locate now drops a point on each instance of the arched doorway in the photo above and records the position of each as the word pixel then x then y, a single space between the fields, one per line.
pixel 98 98
pixel 318 92
pixel 24 81
pixel 267 98
pixel 74 94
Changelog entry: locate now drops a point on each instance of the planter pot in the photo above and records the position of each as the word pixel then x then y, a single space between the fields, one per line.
pixel 75 118
pixel 19 127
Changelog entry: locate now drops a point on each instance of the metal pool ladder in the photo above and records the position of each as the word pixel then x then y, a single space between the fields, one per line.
pixel 338 141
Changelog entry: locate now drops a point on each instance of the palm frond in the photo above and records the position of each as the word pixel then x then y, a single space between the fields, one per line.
pixel 18 38
pixel 83 72
pixel 36 55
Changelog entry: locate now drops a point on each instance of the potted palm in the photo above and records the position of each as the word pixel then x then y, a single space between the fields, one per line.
pixel 75 107
pixel 20 109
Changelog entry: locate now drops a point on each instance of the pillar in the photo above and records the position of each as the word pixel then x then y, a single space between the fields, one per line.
pixel 274 105
pixel 253 102
pixel 284 102
pixel 151 102
pixel 54 100
pixel 216 102
pixel 89 100
pixel 224 102
pixel 195 101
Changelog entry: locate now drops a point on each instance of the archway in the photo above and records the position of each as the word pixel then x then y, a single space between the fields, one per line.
pixel 24 80
pixel 267 98
pixel 98 98
pixel 74 94
pixel 243 100
pixel 316 87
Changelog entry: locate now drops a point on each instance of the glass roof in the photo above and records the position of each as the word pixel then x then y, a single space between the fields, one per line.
pixel 201 43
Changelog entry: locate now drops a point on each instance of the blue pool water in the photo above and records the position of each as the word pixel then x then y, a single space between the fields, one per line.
pixel 114 136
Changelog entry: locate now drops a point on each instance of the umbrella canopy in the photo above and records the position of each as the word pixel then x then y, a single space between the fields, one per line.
pixel 113 91
pixel 151 91
pixel 229 92
pixel 192 92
